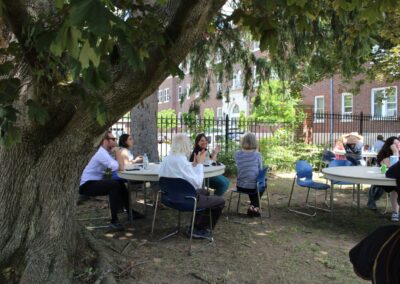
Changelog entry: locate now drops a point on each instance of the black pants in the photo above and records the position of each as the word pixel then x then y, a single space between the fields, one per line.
pixel 253 197
pixel 115 189
pixel 216 203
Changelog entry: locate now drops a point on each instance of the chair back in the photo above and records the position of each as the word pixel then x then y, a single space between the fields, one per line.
pixel 177 193
pixel 339 163
pixel 303 170
pixel 328 156
pixel 262 179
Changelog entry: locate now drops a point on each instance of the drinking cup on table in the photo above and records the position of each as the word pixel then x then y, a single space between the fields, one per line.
pixel 393 160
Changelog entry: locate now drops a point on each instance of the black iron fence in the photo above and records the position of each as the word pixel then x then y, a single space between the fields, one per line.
pixel 326 128
pixel 318 129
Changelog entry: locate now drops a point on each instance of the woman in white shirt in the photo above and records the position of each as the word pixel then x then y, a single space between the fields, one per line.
pixel 176 165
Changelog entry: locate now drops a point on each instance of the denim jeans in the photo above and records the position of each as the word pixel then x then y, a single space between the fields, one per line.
pixel 220 184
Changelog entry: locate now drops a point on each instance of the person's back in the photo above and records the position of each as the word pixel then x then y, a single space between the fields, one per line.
pixel 248 165
pixel 379 143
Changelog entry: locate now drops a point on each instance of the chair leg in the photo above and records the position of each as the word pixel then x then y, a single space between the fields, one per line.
pixel 211 224
pixel 155 213
pixel 230 199
pixel 192 226
pixel 308 193
pixel 237 206
pixel 268 205
pixel 291 193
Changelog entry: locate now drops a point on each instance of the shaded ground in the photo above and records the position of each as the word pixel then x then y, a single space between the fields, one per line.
pixel 287 248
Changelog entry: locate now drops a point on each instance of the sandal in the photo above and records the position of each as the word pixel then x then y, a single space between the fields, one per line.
pixel 250 211
pixel 256 212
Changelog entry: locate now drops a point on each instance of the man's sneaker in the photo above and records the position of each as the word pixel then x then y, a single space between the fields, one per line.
pixel 116 226
pixel 395 217
pixel 201 234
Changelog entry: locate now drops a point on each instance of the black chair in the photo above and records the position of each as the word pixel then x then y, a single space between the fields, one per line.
pixel 180 195
pixel 261 187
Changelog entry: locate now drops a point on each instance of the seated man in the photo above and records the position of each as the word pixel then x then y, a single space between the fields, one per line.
pixel 176 165
pixel 93 184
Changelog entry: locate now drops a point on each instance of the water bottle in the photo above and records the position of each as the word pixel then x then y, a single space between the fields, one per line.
pixel 145 161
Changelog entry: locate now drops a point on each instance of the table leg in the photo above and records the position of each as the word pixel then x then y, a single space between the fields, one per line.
pixel 358 197
pixel 130 204
pixel 331 199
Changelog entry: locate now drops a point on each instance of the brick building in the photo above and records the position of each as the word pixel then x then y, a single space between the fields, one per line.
pixel 171 90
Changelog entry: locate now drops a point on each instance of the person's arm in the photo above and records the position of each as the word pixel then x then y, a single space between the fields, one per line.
pixel 215 153
pixel 394 149
pixel 119 158
pixel 124 157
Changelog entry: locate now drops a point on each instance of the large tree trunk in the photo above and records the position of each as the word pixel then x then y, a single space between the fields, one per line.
pixel 39 178
pixel 144 128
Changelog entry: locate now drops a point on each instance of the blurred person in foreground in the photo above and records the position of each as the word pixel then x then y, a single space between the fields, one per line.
pixel 176 165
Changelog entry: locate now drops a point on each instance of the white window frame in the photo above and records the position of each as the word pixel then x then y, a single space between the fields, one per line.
pixel 255 77
pixel 219 113
pixel 159 95
pixel 237 80
pixel 167 96
pixel 188 90
pixel 316 118
pixel 256 45
pixel 347 116
pixel 384 103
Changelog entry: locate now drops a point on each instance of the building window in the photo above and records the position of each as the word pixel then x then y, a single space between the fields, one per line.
pixel 384 102
pixel 219 113
pixel 237 80
pixel 319 109
pixel 188 90
pixel 167 96
pixel 256 45
pixel 347 106
pixel 256 80
pixel 160 96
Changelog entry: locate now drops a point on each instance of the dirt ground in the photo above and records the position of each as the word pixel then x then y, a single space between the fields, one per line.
pixel 286 248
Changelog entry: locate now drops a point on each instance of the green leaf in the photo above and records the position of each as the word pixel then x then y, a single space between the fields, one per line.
pixel 9 90
pixel 59 3
pixel 36 112
pixel 88 54
pixel 10 135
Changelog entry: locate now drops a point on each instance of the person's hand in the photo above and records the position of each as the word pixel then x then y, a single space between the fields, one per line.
pixel 138 159
pixel 216 150
pixel 200 157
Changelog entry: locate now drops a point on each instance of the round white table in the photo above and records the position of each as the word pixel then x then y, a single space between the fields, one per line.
pixel 357 175
pixel 151 174
pixel 363 154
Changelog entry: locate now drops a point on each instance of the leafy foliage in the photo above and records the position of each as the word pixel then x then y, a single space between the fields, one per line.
pixel 166 119
pixel 276 104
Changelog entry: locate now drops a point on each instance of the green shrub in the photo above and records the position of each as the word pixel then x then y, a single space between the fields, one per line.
pixel 227 158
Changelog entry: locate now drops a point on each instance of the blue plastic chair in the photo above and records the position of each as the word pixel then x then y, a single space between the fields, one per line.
pixel 303 178
pixel 341 163
pixel 261 187
pixel 326 157
pixel 180 195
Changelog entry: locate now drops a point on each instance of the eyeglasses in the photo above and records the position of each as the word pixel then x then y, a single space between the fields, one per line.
pixel 111 138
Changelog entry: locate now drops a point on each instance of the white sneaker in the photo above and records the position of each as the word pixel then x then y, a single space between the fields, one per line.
pixel 395 217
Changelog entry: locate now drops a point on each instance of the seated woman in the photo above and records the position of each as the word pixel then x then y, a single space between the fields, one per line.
pixel 249 163
pixel 219 183
pixel 390 148
pixel 125 144
pixel 176 165
pixel 339 150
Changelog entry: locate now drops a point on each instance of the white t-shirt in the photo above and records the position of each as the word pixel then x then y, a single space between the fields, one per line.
pixel 97 165
pixel 178 166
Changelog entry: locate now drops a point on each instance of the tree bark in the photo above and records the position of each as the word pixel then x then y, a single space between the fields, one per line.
pixel 39 178
pixel 144 128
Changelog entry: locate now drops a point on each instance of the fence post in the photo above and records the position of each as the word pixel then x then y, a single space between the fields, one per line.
pixel 226 133
pixel 361 123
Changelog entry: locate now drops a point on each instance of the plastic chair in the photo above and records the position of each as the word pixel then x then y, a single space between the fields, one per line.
pixel 342 163
pixel 326 157
pixel 180 195
pixel 261 187
pixel 303 178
